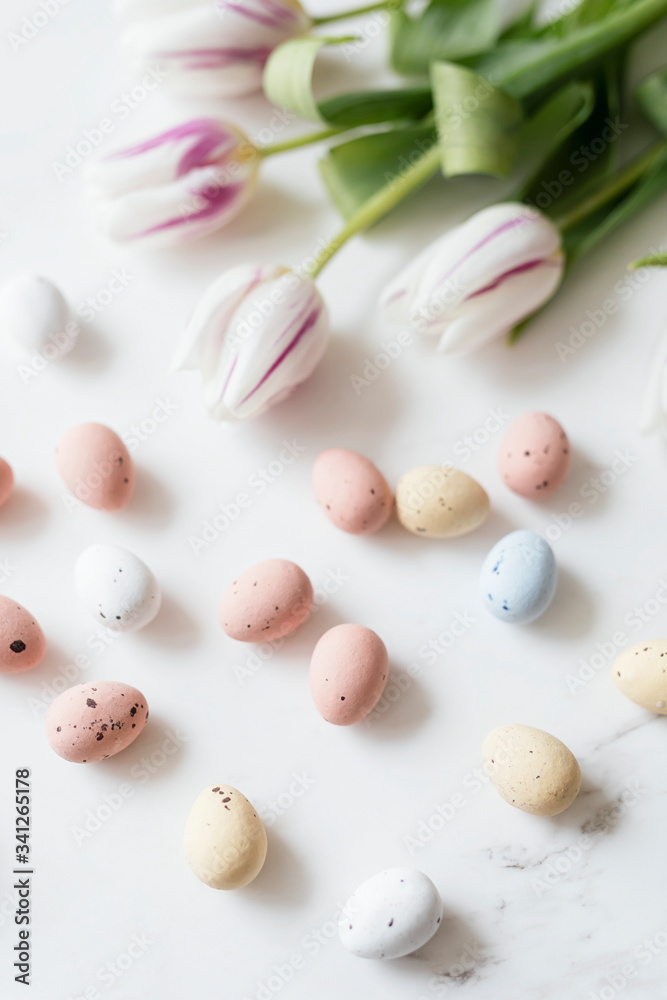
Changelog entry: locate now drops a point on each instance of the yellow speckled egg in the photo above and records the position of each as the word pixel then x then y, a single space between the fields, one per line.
pixel 640 674
pixel 438 501
pixel 531 769
pixel 225 840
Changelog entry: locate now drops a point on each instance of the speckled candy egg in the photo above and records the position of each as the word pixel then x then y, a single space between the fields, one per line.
pixel 6 481
pixel 267 601
pixel 534 458
pixel 348 673
pixel 117 588
pixel 640 673
pixel 22 642
pixel 224 841
pixel 531 769
pixel 438 501
pixel 90 722
pixel 96 466
pixel 391 914
pixel 351 491
pixel 518 578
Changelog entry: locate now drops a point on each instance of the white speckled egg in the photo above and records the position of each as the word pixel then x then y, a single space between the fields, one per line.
pixel 518 578
pixel 225 841
pixel 117 588
pixel 531 769
pixel 35 318
pixel 391 914
pixel 640 673
pixel 438 501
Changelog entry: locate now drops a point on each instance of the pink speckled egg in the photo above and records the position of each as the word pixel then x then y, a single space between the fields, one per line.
pixel 6 481
pixel 267 601
pixel 534 456
pixel 96 466
pixel 90 722
pixel 353 494
pixel 348 673
pixel 22 642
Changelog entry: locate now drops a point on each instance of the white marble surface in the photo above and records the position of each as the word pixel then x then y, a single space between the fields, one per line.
pixel 538 908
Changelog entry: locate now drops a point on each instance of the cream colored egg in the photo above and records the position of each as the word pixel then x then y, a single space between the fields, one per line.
pixel 224 841
pixel 640 674
pixel 531 769
pixel 438 501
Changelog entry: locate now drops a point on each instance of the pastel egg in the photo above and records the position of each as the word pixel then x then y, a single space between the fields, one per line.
pixel 6 481
pixel 438 501
pixel 224 842
pixel 35 319
pixel 531 769
pixel 518 578
pixel 96 466
pixel 390 915
pixel 22 642
pixel 267 601
pixel 534 457
pixel 351 491
pixel 117 588
pixel 90 722
pixel 640 673
pixel 348 673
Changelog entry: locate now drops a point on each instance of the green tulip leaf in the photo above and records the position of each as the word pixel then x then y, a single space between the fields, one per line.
pixel 354 171
pixel 652 95
pixel 445 30
pixel 479 125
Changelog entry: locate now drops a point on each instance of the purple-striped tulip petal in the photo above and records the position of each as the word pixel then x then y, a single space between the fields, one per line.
pixel 216 47
pixel 479 280
pixel 257 333
pixel 179 185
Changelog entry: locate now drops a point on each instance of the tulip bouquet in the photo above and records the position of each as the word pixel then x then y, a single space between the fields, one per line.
pixel 516 102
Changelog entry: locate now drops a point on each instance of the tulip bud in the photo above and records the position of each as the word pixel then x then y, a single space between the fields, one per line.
pixel 213 47
pixel 480 279
pixel 181 184
pixel 257 333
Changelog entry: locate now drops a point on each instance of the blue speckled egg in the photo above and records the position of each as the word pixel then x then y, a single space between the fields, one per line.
pixel 518 578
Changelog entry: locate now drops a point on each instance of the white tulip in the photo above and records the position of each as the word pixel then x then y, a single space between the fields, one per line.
pixel 215 48
pixel 480 279
pixel 182 184
pixel 257 333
